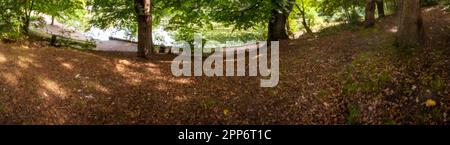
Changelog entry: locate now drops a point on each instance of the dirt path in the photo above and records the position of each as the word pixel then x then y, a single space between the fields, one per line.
pixel 323 81
pixel 114 45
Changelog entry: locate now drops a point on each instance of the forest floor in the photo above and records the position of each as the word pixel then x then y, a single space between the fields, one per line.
pixel 346 75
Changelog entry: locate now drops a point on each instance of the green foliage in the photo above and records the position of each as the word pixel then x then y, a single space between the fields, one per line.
pixel 353 114
pixel 366 74
pixel 342 10
pixel 187 17
pixel 303 7
pixel 199 15
pixel 445 3
pixel 17 14
pixel 63 9
pixel 121 14
pixel 114 13
pixel 10 20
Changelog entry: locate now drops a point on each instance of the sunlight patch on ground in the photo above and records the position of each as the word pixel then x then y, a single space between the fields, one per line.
pixel 125 62
pixel 10 78
pixel 394 29
pixel 98 87
pixel 24 62
pixel 162 87
pixel 2 58
pixel 123 68
pixel 182 98
pixel 67 65
pixel 102 88
pixel 181 81
pixel 23 46
pixel 430 9
pixel 53 87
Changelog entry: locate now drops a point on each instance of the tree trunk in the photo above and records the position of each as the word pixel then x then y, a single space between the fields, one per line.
pixel 396 5
pixel 303 15
pixel 289 31
pixel 305 23
pixel 370 13
pixel 277 25
pixel 53 20
pixel 26 19
pixel 380 7
pixel 410 31
pixel 26 25
pixel 53 40
pixel 143 11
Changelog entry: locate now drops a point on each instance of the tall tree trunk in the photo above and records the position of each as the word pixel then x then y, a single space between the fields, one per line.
pixel 410 30
pixel 143 11
pixel 277 26
pixel 370 13
pixel 278 22
pixel 380 7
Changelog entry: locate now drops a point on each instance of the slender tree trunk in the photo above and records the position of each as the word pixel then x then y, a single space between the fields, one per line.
pixel 26 25
pixel 370 13
pixel 303 15
pixel 278 22
pixel 53 20
pixel 305 23
pixel 396 5
pixel 288 29
pixel 410 32
pixel 380 8
pixel 143 11
pixel 26 19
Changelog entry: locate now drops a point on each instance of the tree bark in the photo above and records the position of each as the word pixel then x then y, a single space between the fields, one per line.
pixel 53 20
pixel 305 24
pixel 143 12
pixel 278 22
pixel 370 13
pixel 277 26
pixel 410 32
pixel 28 9
pixel 380 8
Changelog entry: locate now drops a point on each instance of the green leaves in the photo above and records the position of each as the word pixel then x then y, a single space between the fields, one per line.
pixel 17 13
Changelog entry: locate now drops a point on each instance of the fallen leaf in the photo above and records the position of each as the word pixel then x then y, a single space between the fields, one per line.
pixel 430 103
pixel 226 112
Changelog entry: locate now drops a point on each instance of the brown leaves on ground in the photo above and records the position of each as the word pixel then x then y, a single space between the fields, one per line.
pixel 349 77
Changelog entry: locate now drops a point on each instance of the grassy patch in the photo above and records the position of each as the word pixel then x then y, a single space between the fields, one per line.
pixel 369 31
pixel 63 41
pixel 437 84
pixel 337 29
pixel 430 115
pixel 350 88
pixel 353 114
pixel 208 103
pixel 389 121
pixel 80 103
pixel 2 109
pixel 367 73
pixel 323 93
